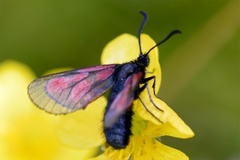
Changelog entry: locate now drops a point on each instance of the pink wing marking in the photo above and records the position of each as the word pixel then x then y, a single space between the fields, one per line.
pixel 97 90
pixel 123 100
pixel 83 87
pixel 56 85
pixel 66 92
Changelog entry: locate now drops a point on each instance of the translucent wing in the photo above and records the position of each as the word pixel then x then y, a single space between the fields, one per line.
pixel 69 91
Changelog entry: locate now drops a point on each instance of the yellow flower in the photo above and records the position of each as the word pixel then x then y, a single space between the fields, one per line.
pixel 147 127
pixel 26 133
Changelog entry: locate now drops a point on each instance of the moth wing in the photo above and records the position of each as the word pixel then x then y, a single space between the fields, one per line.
pixel 69 91
pixel 123 100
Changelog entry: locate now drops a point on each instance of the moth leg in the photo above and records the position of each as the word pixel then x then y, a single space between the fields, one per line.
pixel 145 86
pixel 142 88
pixel 151 100
pixel 149 110
pixel 153 87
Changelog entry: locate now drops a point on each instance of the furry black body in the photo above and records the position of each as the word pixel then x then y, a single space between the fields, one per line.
pixel 118 134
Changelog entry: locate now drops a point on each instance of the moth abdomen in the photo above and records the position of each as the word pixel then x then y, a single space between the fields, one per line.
pixel 118 134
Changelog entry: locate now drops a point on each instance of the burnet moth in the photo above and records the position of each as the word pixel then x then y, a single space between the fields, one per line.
pixel 66 92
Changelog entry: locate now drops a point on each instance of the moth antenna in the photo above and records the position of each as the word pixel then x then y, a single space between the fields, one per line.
pixel 145 17
pixel 164 40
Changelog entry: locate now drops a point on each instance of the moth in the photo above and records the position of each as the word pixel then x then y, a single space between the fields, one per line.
pixel 65 92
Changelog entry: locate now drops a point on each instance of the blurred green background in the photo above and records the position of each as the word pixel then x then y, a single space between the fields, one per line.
pixel 200 67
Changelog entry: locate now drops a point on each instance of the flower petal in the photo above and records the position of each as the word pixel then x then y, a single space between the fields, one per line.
pixel 167 121
pixel 70 153
pixel 14 79
pixel 83 129
pixel 125 48
pixel 173 125
pixel 122 49
pixel 153 149
pixel 24 129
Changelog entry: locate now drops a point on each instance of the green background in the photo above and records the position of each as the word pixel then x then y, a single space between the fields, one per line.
pixel 200 67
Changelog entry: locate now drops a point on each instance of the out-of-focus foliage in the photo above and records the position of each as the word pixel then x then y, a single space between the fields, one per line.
pixel 200 68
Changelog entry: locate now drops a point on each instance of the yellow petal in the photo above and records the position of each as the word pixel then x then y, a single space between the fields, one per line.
pixel 153 149
pixel 167 121
pixel 14 79
pixel 125 48
pixel 173 125
pixel 79 154
pixel 83 129
pixel 25 131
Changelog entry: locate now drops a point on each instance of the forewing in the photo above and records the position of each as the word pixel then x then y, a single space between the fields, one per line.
pixel 123 100
pixel 69 91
